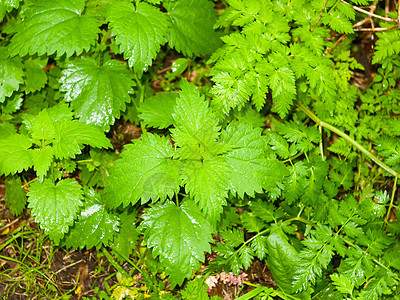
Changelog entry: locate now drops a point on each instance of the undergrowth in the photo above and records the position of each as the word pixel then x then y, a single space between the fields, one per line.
pixel 258 143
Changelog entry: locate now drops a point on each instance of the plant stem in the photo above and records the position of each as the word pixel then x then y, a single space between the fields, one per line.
pixel 113 262
pixel 370 13
pixel 128 260
pixel 391 201
pixel 312 116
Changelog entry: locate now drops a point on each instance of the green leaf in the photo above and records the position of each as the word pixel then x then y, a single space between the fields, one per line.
pixel 281 260
pixel 196 127
pixel 15 197
pixel 55 206
pixel 206 182
pixel 14 154
pixel 41 126
pixel 156 111
pixel 146 171
pixel 139 32
pixel 247 163
pixel 10 77
pixel 95 225
pixel 97 93
pixel 338 21
pixel 126 239
pixel 55 26
pixel 7 6
pixel 282 83
pixel 42 159
pixel 192 24
pixel 73 135
pixel 36 78
pixel 195 289
pixel 343 284
pixel 179 236
pixel 179 66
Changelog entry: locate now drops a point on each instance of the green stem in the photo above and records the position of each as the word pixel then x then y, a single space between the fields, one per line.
pixel 113 262
pixel 312 116
pixel 128 260
pixel 391 201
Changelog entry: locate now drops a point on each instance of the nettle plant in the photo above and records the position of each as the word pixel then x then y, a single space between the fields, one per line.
pixel 272 168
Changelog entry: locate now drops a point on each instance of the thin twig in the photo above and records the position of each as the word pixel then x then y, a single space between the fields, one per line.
pixel 66 267
pixel 370 13
pixel 9 224
pixel 320 16
pixel 376 29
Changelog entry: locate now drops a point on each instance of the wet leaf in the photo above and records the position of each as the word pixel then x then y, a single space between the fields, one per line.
pixel 98 93
pixel 179 236
pixel 55 26
pixel 55 206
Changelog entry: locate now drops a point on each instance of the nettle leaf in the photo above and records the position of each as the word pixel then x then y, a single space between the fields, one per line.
pixel 55 26
pixel 35 77
pixel 196 127
pixel 156 111
pixel 95 225
pixel 7 6
pixel 139 31
pixel 207 184
pixel 126 239
pixel 71 136
pixel 145 171
pixel 14 154
pixel 11 76
pixel 192 24
pixel 247 163
pixel 42 159
pixel 15 197
pixel 97 93
pixel 179 236
pixel 55 206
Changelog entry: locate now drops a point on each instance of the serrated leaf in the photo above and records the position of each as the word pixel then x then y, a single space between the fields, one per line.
pixel 265 211
pixel 14 154
pixel 247 164
pixel 192 24
pixel 259 246
pixel 42 159
pixel 41 126
pixel 11 74
pixel 196 127
pixel 95 226
pixel 126 239
pixel 55 26
pixel 179 236
pixel 338 21
pixel 55 206
pixel 282 83
pixel 251 223
pixel 195 289
pixel 206 182
pixel 15 197
pixel 342 284
pixel 146 171
pixel 156 111
pixel 73 135
pixel 35 77
pixel 12 104
pixel 7 6
pixel 139 32
pixel 97 93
